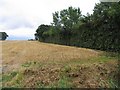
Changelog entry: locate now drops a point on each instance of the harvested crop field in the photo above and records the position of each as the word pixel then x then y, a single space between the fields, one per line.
pixel 42 65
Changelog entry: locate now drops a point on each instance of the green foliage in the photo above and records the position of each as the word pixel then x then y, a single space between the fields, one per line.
pixel 3 35
pixel 41 32
pixel 27 64
pixel 100 30
pixel 9 77
pixel 113 83
pixel 14 79
pixel 64 82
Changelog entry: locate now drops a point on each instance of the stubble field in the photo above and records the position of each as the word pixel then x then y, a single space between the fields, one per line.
pixel 42 65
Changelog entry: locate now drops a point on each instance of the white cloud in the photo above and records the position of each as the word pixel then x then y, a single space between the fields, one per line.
pixel 11 22
pixel 23 33
pixel 27 14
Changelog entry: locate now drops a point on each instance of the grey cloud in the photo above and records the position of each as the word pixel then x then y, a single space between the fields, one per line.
pixel 13 22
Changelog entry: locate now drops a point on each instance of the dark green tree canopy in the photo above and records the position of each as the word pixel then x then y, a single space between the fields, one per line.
pixel 100 30
pixel 3 35
pixel 41 32
pixel 67 17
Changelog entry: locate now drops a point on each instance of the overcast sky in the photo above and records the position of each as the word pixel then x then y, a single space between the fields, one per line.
pixel 20 18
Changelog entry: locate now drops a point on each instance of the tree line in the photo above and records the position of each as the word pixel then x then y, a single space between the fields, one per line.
pixel 100 30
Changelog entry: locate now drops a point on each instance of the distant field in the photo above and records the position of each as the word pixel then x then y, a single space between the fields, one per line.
pixel 37 64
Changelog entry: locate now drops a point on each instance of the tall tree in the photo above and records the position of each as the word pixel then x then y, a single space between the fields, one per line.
pixel 65 20
pixel 41 32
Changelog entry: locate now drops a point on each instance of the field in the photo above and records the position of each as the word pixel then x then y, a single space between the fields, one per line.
pixel 37 64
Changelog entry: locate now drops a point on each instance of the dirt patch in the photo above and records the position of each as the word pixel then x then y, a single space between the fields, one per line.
pixel 43 76
pixel 95 75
